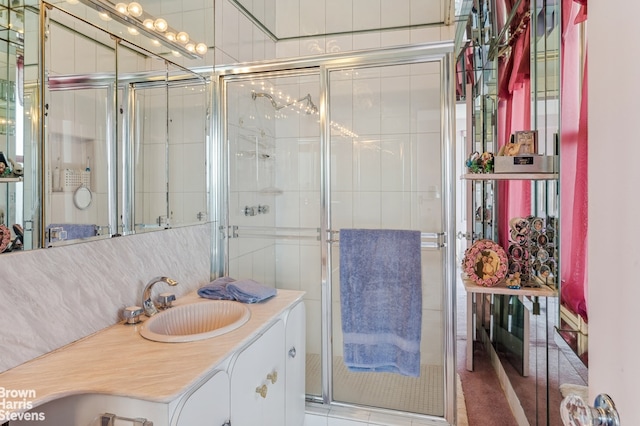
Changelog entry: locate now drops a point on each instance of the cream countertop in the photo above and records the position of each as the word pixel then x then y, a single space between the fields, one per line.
pixel 118 361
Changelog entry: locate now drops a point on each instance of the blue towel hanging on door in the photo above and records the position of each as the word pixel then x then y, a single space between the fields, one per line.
pixel 381 300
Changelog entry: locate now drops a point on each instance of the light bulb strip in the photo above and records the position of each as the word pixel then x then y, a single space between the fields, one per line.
pixel 106 7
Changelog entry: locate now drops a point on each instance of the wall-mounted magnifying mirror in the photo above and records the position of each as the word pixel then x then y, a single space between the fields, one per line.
pixel 82 197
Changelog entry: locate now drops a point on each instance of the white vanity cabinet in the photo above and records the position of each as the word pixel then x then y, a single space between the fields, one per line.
pixel 258 380
pixel 295 344
pixel 205 405
pixel 264 385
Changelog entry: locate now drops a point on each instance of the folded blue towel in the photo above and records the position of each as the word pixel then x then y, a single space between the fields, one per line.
pixel 381 300
pixel 250 291
pixel 74 230
pixel 216 289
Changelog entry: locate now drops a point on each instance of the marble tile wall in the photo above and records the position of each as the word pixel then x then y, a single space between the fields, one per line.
pixel 52 297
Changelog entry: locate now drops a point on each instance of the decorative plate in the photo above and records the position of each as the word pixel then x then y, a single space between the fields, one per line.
pixel 5 238
pixel 485 263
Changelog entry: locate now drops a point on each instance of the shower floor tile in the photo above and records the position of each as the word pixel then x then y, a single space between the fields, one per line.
pixel 420 395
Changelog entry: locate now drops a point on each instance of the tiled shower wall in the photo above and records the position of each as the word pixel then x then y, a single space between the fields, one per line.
pixel 274 161
pixel 388 175
pixel 237 39
pixel 385 156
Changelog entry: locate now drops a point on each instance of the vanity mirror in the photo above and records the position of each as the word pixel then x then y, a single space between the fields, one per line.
pixel 124 136
pixel 15 210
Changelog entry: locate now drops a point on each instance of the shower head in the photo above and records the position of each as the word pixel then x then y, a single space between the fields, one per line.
pixel 311 108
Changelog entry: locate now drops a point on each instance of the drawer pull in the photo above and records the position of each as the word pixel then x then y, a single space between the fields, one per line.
pixel 273 377
pixel 292 352
pixel 262 390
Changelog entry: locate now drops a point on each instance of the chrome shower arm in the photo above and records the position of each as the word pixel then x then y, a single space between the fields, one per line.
pixel 311 107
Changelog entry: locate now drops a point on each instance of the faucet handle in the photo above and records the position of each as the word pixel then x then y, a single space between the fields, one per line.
pixel 132 314
pixel 165 300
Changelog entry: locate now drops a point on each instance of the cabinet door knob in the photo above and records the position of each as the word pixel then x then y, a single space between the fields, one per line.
pixel 273 377
pixel 292 352
pixel 262 390
pixel 575 411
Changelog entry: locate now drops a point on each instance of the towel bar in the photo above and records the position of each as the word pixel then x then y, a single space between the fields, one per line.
pixel 439 237
pixel 236 231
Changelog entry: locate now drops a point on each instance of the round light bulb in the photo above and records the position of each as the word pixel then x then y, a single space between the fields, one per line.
pixel 201 48
pixel 104 16
pixel 148 24
pixel 155 42
pixel 190 47
pixel 122 8
pixel 182 37
pixel 133 31
pixel 160 25
pixel 134 9
pixel 170 36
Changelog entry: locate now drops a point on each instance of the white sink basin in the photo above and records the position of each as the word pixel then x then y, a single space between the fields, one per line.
pixel 195 321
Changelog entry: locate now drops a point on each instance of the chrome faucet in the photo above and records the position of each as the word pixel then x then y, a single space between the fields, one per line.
pixel 149 307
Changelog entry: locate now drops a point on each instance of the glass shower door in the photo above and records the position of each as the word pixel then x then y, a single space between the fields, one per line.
pixel 386 172
pixel 272 134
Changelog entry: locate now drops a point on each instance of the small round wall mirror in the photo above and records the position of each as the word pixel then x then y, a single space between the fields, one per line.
pixel 82 197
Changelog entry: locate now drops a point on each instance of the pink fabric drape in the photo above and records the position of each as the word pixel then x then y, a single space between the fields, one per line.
pixel 514 112
pixel 573 155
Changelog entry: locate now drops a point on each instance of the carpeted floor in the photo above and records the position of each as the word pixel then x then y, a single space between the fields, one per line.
pixel 485 400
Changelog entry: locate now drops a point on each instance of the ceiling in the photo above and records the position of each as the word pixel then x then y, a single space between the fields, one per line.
pixel 285 19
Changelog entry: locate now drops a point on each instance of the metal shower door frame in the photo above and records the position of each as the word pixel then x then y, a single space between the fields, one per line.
pixel 442 53
pixel 436 54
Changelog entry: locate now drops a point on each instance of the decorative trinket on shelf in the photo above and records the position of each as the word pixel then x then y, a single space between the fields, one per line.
pixel 521 143
pixel 480 163
pixel 5 238
pixel 485 263
pixel 4 170
pixel 531 250
pixel 513 280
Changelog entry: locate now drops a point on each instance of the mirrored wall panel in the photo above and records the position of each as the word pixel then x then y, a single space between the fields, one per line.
pixel 125 136
pixel 16 211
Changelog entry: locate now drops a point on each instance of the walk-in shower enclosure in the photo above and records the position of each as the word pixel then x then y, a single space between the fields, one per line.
pixel 363 140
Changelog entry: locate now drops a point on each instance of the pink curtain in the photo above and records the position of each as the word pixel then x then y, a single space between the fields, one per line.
pixel 573 154
pixel 514 111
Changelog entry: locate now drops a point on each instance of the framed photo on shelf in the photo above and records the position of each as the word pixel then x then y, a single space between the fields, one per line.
pixel 527 141
pixel 485 263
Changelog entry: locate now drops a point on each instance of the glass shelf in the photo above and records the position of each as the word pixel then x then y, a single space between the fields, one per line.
pixel 10 179
pixel 510 176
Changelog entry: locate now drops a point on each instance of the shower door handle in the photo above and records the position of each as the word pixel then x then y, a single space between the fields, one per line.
pixel 433 240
